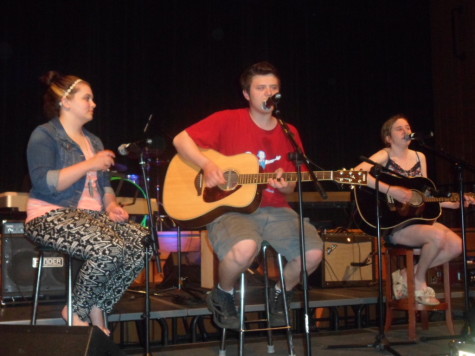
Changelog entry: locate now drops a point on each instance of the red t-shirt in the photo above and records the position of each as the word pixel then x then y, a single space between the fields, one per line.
pixel 232 132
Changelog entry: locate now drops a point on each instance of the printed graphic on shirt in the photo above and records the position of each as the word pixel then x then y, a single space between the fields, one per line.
pixel 263 161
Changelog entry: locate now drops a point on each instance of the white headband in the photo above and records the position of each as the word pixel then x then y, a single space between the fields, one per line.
pixel 71 87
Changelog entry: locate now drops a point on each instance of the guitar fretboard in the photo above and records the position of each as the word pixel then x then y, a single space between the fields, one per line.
pixel 343 176
pixel 453 198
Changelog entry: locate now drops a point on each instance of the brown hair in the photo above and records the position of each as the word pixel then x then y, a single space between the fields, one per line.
pixel 58 87
pixel 260 68
pixel 387 126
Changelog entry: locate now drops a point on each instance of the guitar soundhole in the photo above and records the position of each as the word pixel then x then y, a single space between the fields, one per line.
pixel 231 181
pixel 416 199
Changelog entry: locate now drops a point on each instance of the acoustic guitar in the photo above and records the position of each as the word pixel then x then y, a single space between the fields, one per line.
pixel 191 204
pixel 422 209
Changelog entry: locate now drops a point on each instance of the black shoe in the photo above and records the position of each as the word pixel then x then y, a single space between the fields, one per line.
pixel 222 305
pixel 277 314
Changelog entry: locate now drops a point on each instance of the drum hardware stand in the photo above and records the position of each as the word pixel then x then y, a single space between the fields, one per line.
pixel 180 280
pixel 381 343
pixel 299 157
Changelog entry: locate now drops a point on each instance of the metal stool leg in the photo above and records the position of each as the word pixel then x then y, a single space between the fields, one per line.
pixel 242 331
pixel 70 290
pixel 290 343
pixel 222 347
pixel 270 343
pixel 241 313
pixel 37 288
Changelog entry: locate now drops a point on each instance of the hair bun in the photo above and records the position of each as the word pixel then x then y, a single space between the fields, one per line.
pixel 50 77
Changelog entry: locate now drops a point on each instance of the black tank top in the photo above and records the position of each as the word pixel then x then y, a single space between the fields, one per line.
pixel 415 171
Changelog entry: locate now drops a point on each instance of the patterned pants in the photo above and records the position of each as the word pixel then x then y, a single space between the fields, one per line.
pixel 113 253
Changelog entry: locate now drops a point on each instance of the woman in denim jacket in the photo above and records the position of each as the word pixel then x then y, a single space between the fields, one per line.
pixel 72 206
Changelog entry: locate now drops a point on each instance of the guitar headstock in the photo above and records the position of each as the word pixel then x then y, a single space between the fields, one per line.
pixel 351 177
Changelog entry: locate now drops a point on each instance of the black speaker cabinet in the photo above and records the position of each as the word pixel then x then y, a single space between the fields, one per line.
pixel 55 340
pixel 19 260
pixel 347 261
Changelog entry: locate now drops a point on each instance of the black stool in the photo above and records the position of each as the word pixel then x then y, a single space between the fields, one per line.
pixel 243 329
pixel 41 252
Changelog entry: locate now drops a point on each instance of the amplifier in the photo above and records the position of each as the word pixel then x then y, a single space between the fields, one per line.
pixel 13 227
pixel 19 262
pixel 347 260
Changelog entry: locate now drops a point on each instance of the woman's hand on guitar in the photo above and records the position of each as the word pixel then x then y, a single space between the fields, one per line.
pixel 401 194
pixel 467 201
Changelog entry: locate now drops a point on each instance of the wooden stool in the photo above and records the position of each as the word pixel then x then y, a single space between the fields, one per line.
pixel 409 304
pixel 243 329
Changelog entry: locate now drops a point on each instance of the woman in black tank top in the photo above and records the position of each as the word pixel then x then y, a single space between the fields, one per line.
pixel 438 243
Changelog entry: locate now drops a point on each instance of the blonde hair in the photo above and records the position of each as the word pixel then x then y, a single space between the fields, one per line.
pixel 59 87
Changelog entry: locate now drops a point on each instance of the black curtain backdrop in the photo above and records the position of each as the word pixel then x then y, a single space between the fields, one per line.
pixel 346 67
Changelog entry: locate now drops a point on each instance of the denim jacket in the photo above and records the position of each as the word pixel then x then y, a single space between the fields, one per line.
pixel 49 150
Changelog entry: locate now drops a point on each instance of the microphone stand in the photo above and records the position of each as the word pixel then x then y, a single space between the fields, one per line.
pixel 299 157
pixel 460 166
pixel 381 343
pixel 150 245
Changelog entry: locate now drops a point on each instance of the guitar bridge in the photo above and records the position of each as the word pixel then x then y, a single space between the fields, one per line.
pixel 199 182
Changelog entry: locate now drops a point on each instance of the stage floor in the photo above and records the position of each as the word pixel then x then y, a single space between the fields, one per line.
pixel 180 321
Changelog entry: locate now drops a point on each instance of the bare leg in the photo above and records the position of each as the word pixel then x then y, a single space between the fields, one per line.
pixel 76 320
pixel 292 270
pixel 235 262
pixel 439 245
pixel 97 319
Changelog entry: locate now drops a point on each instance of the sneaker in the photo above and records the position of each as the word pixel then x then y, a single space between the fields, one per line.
pixel 277 314
pixel 222 305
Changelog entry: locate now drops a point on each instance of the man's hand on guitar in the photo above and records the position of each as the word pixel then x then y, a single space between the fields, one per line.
pixel 213 175
pixel 280 183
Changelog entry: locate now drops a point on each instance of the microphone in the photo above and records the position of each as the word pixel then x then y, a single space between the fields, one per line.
pixel 418 137
pixel 133 147
pixel 271 101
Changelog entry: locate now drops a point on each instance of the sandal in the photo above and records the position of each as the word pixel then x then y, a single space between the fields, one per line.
pixel 426 296
pixel 399 285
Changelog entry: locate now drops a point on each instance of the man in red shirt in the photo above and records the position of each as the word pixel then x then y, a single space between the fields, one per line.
pixel 237 237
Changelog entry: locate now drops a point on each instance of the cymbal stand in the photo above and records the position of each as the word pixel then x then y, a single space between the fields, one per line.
pixel 381 343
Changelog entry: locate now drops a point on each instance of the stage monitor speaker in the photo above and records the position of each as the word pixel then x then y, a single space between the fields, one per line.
pixel 55 340
pixel 19 260
pixel 347 261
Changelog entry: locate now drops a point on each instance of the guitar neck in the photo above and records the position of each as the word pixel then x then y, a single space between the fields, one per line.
pixel 453 198
pixel 263 178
